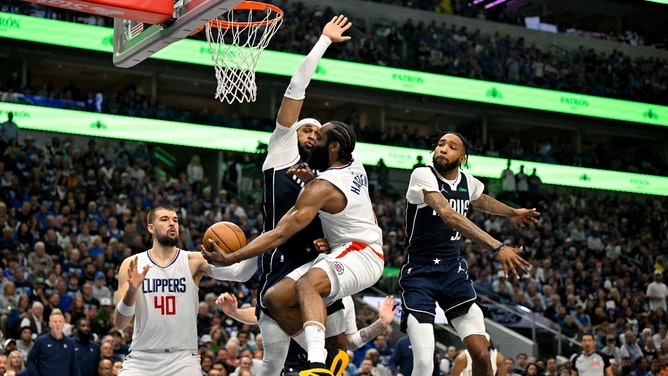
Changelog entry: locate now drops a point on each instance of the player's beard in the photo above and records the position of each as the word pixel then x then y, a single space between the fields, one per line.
pixel 166 240
pixel 303 153
pixel 319 159
pixel 444 167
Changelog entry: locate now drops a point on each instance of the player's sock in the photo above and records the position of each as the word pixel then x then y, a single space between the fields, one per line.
pixel 315 341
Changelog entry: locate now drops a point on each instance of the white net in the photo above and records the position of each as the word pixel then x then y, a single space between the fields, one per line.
pixel 236 42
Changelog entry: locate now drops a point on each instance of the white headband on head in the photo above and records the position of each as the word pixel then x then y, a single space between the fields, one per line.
pixel 305 121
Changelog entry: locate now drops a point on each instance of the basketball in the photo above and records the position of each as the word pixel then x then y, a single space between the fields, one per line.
pixel 228 236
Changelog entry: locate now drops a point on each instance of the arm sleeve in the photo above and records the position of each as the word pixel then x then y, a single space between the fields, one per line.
pixel 302 77
pixel 239 272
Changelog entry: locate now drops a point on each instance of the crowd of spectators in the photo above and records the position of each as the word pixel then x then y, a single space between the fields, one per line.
pixel 510 15
pixel 450 50
pixel 431 47
pixel 457 51
pixel 70 213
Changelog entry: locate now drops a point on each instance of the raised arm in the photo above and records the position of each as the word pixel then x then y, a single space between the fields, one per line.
pixel 293 99
pixel 386 311
pixel 507 255
pixel 129 281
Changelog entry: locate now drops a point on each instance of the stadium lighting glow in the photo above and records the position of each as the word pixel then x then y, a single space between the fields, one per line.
pixel 93 124
pixel 497 2
pixel 190 51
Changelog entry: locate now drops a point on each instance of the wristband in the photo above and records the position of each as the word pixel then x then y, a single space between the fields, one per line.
pixel 496 251
pixel 357 339
pixel 125 310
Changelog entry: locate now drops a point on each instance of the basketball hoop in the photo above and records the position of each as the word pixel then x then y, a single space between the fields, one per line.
pixel 236 44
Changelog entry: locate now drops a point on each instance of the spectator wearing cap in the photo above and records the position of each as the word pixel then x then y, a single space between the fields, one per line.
pixel 657 292
pixel 611 349
pixel 100 289
pixel 39 271
pixel 581 317
pixel 502 279
pixel 205 341
pixel 120 348
pixel 25 342
pixel 38 293
pixel 35 320
pixel 9 345
pixel 104 314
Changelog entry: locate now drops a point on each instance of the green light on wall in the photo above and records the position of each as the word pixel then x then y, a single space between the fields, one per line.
pixel 278 63
pixel 92 124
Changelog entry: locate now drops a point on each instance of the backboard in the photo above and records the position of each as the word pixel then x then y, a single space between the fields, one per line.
pixel 135 41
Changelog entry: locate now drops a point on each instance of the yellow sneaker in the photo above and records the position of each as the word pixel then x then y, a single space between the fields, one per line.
pixel 338 362
pixel 316 372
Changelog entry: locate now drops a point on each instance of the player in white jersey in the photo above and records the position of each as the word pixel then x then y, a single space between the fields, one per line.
pixel 464 364
pixel 340 196
pixel 163 299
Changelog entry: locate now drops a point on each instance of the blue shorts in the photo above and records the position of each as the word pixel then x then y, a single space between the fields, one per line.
pixel 425 281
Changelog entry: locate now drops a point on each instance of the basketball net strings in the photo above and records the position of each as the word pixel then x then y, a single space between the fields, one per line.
pixel 235 52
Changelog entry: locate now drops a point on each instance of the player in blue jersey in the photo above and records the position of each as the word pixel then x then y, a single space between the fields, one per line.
pixel 289 146
pixel 438 200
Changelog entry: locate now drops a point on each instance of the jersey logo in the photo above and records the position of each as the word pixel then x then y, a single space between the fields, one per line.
pixel 460 268
pixel 338 267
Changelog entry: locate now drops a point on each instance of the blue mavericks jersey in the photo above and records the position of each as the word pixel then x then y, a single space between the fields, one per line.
pixel 426 233
pixel 280 193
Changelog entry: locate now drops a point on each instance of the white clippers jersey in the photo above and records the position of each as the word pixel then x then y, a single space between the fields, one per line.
pixel 166 307
pixel 468 371
pixel 357 221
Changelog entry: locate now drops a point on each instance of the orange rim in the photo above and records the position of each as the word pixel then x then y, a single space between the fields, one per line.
pixel 247 5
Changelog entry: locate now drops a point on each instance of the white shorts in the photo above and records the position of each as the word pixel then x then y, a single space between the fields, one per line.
pixel 351 268
pixel 141 363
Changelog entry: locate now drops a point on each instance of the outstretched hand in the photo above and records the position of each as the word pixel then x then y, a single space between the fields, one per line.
pixel 135 279
pixel 214 255
pixel 228 302
pixel 388 309
pixel 525 216
pixel 336 27
pixel 511 261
